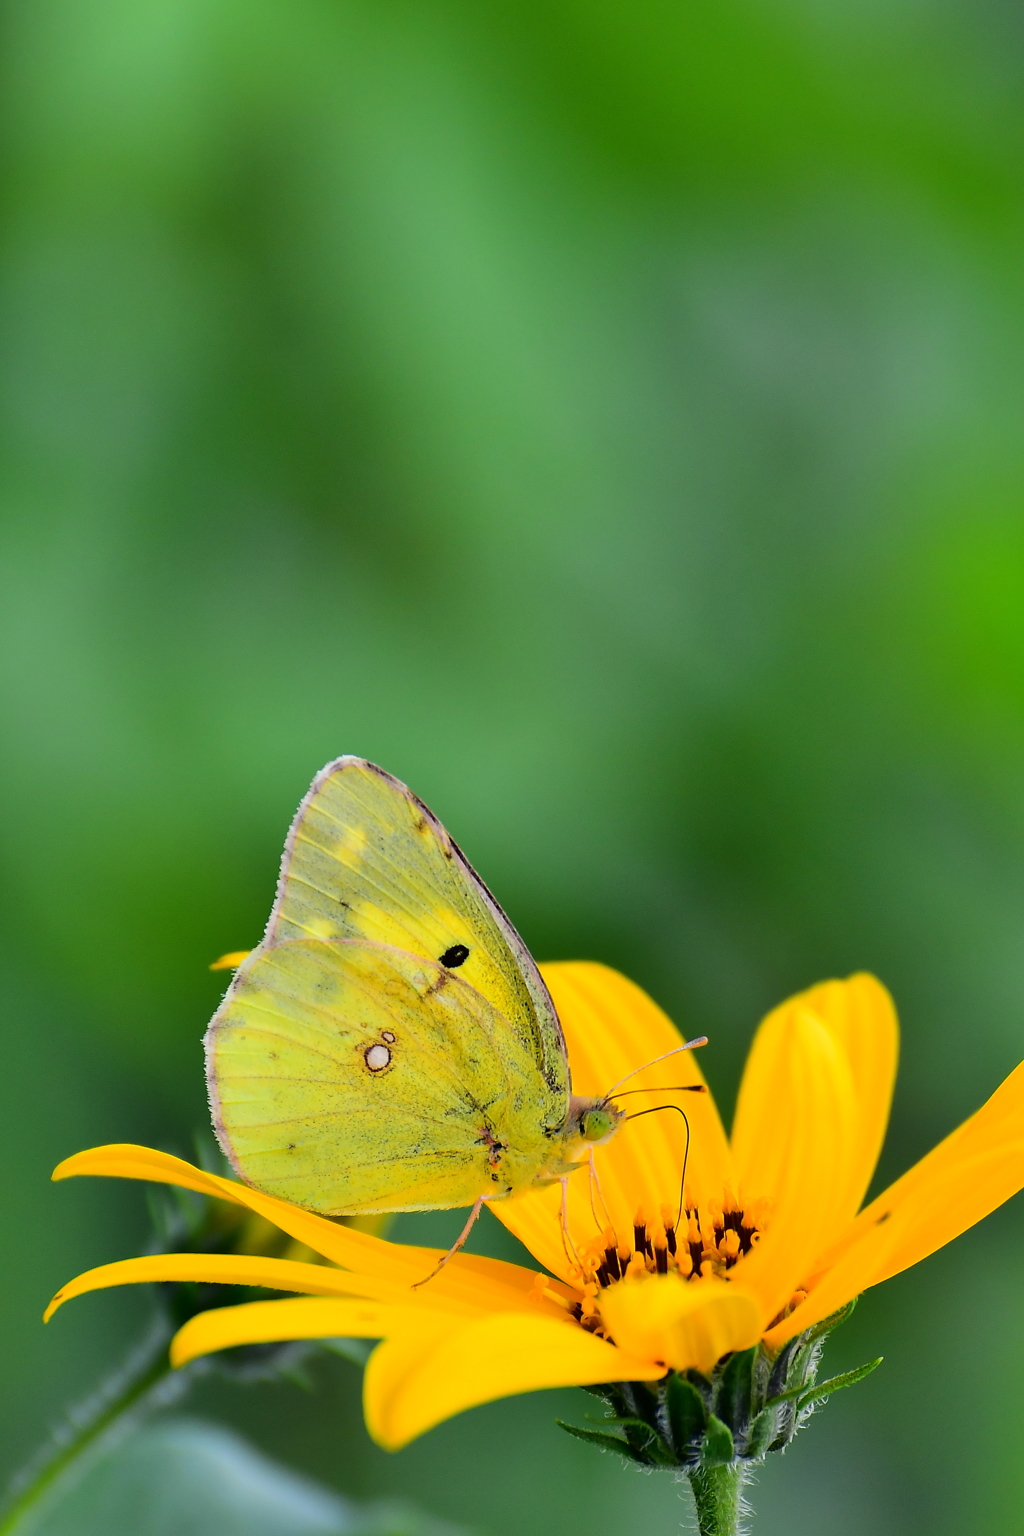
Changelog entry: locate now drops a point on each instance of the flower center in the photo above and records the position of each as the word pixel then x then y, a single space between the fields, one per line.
pixel 697 1242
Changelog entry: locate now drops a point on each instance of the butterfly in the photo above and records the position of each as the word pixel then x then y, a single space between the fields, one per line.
pixel 391 1045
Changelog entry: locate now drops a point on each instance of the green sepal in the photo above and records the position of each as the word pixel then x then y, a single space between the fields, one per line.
pixel 625 1421
pixel 719 1446
pixel 752 1403
pixel 803 1395
pixel 761 1434
pixel 646 1441
pixel 687 1414
pixel 642 1438
pixel 732 1399
pixel 781 1368
pixel 704 1385
pixel 799 1356
pixel 606 1442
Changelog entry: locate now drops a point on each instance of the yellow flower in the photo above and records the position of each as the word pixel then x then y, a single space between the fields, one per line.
pixel 767 1241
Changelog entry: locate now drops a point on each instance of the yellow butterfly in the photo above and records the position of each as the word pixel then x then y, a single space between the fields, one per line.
pixel 390 1046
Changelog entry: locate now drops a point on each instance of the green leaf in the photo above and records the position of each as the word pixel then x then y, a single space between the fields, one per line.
pixel 718 1443
pixel 687 1415
pixel 606 1442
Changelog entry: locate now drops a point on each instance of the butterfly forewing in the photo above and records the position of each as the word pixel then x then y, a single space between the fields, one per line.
pixel 366 859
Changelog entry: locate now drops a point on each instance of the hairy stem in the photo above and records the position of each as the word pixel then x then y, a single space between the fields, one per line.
pixel 142 1383
pixel 717 1493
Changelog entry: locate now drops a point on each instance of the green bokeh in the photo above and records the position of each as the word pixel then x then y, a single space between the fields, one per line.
pixel 607 418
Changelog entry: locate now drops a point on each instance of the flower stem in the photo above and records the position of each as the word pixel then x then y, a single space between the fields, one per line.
pixel 717 1493
pixel 140 1384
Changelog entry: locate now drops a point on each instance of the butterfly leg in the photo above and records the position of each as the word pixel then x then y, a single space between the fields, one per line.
pixel 595 1183
pixel 458 1243
pixel 568 1247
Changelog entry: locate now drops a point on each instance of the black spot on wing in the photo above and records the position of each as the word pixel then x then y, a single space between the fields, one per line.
pixel 454 956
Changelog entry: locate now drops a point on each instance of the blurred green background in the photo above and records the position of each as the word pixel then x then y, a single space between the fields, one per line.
pixel 607 417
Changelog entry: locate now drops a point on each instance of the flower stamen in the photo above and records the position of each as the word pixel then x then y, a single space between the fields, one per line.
pixel 714 1239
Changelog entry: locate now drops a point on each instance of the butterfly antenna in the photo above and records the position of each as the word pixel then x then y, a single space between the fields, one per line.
pixel 661 1088
pixel 686 1155
pixel 458 1243
pixel 691 1045
pixel 682 1176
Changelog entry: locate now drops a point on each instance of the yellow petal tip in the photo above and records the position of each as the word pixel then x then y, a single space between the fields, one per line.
pixel 231 961
pixel 179 1357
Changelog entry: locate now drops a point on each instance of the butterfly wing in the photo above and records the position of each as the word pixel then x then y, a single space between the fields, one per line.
pixel 373 897
pixel 366 859
pixel 355 1077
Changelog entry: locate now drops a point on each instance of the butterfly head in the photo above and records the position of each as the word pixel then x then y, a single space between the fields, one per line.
pixel 599 1122
pixel 591 1122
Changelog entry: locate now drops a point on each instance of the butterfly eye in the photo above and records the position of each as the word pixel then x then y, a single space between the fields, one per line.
pixel 455 956
pixel 598 1123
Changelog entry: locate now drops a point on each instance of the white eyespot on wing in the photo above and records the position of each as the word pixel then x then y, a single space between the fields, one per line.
pixel 386 1034
pixel 377 1057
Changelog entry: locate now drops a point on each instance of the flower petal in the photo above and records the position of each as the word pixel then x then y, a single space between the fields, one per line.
pixel 266 1322
pixel 612 1027
pixel 860 1015
pixel 685 1325
pixel 124 1160
pixel 215 1268
pixel 966 1176
pixel 246 1269
pixel 415 1380
pixel 468 1277
pixel 795 1124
